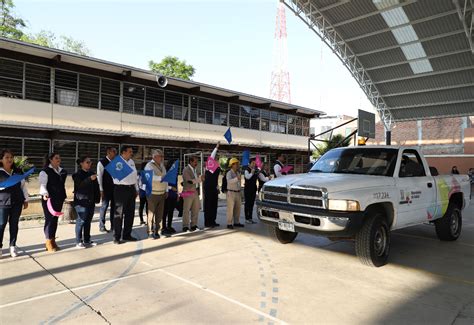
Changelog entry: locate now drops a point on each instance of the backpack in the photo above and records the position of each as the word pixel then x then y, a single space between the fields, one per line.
pixel 224 182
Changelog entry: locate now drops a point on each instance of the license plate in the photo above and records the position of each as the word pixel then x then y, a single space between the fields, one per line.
pixel 286 226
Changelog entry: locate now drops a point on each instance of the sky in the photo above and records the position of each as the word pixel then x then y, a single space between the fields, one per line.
pixel 229 42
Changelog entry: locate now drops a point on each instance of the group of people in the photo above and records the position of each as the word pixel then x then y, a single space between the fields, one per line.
pixel 91 188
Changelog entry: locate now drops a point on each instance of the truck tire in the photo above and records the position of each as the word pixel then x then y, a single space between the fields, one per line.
pixel 284 237
pixel 448 228
pixel 372 242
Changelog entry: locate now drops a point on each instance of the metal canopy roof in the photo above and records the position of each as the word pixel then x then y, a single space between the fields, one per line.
pixel 413 59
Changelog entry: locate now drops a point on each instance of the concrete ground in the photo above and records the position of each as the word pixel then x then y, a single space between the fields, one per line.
pixel 222 276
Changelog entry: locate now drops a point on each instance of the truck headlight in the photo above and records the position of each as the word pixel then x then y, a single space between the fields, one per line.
pixel 344 205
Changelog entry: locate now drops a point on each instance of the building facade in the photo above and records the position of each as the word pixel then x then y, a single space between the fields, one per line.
pixel 52 100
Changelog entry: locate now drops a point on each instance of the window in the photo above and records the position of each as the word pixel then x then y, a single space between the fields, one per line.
pixel 245 117
pixel 90 149
pixel 299 126
pixel 67 151
pixel 89 89
pixel 255 118
pixel 205 110
pixel 12 144
pixel 274 122
pixel 265 120
pixel 411 165
pixel 306 126
pixel 154 102
pixel 11 78
pixel 220 113
pixel 282 119
pixel 35 150
pixel 234 115
pixel 174 106
pixel 291 124
pixel 133 99
pixel 37 83
pixel 110 95
pixel 65 88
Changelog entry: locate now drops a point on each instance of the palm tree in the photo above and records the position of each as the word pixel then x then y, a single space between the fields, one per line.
pixel 337 140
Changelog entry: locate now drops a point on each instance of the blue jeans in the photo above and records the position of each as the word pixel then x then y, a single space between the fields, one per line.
pixel 12 217
pixel 103 210
pixel 83 223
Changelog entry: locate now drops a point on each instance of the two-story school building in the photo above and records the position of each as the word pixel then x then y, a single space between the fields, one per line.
pixel 76 105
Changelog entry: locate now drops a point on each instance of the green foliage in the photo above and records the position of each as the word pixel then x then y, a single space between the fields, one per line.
pixel 10 25
pixel 48 39
pixel 172 66
pixel 335 142
pixel 22 164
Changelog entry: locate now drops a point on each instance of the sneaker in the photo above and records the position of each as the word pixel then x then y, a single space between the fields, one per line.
pixel 230 227
pixel 172 230
pixel 215 225
pixel 185 229
pixel 13 251
pixel 91 244
pixel 194 228
pixel 156 236
pixel 130 238
pixel 250 221
pixel 151 236
pixel 238 225
pixel 117 241
pixel 142 223
pixel 80 246
pixel 103 229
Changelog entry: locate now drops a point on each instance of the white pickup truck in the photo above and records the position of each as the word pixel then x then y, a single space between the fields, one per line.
pixel 363 193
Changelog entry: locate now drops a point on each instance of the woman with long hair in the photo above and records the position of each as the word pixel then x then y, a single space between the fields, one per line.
pixel 52 189
pixel 86 195
pixel 12 200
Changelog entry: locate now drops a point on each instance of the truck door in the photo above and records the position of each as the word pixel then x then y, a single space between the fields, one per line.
pixel 417 190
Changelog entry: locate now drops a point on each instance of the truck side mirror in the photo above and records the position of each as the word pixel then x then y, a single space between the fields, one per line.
pixel 433 171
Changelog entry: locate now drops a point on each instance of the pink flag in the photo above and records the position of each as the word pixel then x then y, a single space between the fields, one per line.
pixel 258 162
pixel 211 164
pixel 186 194
pixel 286 169
pixel 51 209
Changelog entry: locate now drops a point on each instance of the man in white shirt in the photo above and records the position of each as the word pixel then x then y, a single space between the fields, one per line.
pixel 125 194
pixel 279 164
pixel 159 192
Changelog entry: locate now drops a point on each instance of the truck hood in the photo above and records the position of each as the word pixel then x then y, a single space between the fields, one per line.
pixel 333 182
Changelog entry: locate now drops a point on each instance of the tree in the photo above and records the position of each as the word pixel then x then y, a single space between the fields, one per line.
pixel 48 39
pixel 335 142
pixel 172 66
pixel 10 25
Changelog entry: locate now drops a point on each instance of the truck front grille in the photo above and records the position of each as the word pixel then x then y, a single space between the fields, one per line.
pixel 302 196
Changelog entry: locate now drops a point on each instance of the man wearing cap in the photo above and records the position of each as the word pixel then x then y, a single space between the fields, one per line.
pixel 159 192
pixel 233 194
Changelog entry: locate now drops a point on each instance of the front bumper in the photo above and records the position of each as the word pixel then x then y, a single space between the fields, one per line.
pixel 310 220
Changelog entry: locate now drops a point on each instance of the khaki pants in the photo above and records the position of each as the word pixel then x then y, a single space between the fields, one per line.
pixel 156 206
pixel 191 203
pixel 233 207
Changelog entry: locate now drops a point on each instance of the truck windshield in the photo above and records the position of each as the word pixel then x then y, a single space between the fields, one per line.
pixel 363 161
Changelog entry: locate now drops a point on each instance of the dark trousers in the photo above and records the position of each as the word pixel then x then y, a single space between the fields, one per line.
pixel 210 208
pixel 50 222
pixel 143 206
pixel 103 211
pixel 124 210
pixel 180 208
pixel 83 223
pixel 12 217
pixel 250 195
pixel 170 205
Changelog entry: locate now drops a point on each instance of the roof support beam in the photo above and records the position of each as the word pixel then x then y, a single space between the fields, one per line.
pixel 435 104
pixel 431 38
pixel 314 19
pixel 334 5
pixel 373 13
pixel 412 22
pixel 440 55
pixel 466 22
pixel 428 90
pixel 421 75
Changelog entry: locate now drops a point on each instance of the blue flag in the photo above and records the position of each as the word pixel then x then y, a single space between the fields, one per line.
pixel 245 158
pixel 118 168
pixel 172 174
pixel 15 179
pixel 147 180
pixel 228 135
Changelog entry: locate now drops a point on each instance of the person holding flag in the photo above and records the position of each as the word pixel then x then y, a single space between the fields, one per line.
pixel 53 191
pixel 159 192
pixel 13 198
pixel 191 181
pixel 211 189
pixel 123 171
pixel 263 176
pixel 251 175
pixel 172 199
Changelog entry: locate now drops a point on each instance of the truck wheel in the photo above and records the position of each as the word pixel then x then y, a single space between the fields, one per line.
pixel 372 243
pixel 284 237
pixel 448 227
